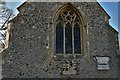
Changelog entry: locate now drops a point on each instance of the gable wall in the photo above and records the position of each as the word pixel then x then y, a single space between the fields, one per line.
pixel 28 55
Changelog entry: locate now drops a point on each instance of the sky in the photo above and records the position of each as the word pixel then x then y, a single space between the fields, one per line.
pixel 112 9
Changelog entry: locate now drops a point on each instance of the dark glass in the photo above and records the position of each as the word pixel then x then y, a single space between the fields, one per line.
pixel 59 38
pixel 68 39
pixel 77 39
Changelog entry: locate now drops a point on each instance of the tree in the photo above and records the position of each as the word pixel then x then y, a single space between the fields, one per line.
pixel 5 15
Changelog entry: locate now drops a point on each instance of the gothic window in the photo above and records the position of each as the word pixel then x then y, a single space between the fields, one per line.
pixel 68 39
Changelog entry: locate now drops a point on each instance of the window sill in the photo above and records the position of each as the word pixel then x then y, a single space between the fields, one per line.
pixel 60 57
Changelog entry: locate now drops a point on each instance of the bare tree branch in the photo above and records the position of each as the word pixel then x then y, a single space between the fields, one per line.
pixel 5 15
pixel 9 16
pixel 2 2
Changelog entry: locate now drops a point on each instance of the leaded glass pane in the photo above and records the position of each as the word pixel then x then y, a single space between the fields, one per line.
pixel 68 39
pixel 77 39
pixel 68 32
pixel 59 38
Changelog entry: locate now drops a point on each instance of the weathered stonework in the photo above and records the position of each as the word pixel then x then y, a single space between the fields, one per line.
pixel 31 52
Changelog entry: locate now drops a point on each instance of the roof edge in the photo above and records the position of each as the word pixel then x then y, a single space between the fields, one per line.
pixel 103 9
pixel 24 3
pixel 113 29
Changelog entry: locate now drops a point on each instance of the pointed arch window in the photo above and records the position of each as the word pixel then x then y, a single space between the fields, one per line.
pixel 68 38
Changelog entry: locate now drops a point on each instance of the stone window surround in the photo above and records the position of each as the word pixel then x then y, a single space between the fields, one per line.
pixel 83 40
pixel 82 30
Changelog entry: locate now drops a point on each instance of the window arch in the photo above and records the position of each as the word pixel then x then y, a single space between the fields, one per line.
pixel 68 30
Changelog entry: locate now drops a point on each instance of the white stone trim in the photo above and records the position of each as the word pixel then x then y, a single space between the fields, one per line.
pixel 102 63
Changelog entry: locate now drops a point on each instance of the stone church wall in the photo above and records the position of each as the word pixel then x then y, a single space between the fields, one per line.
pixel 31 46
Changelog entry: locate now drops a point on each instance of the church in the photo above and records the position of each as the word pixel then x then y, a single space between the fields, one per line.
pixel 61 40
